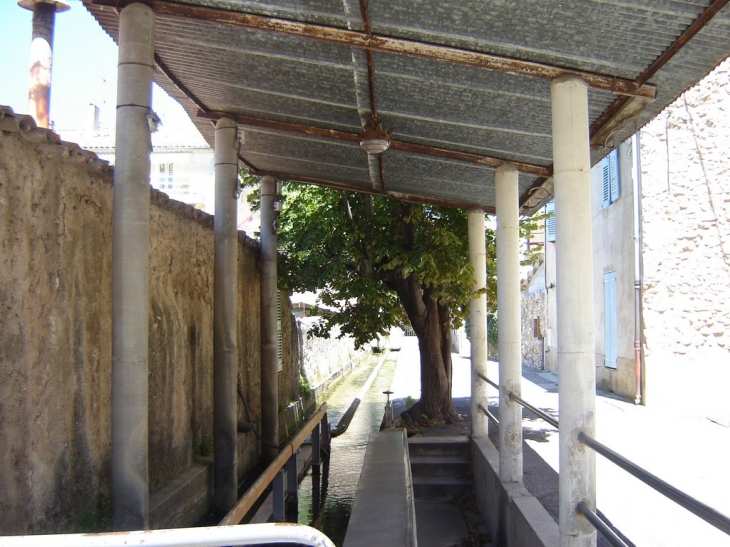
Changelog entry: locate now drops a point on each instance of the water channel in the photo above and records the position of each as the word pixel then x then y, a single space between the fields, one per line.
pixel 336 487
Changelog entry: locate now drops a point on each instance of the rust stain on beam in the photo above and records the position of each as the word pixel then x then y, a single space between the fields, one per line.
pixel 413 148
pixel 624 109
pixel 396 46
pixel 426 200
pixel 689 33
pixel 466 157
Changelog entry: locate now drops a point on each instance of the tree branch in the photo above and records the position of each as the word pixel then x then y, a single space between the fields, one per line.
pixel 366 265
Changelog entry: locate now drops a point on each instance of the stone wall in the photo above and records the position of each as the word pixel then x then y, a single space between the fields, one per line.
pixel 323 360
pixel 686 236
pixel 55 336
pixel 533 307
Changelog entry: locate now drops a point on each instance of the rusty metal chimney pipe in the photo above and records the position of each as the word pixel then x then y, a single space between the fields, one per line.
pixel 41 57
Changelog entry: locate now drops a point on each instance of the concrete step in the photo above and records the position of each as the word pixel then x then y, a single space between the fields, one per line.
pixel 439 488
pixel 439 466
pixel 440 446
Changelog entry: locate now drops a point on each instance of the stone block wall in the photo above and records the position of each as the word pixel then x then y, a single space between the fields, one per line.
pixel 533 307
pixel 686 233
pixel 55 336
pixel 325 359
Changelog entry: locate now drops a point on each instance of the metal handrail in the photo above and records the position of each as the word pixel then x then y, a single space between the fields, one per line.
pixel 481 376
pixel 705 512
pixel 519 400
pixel 210 536
pixel 600 525
pixel 243 505
pixel 488 414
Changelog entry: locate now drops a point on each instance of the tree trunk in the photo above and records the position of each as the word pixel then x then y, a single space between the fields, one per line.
pixel 432 328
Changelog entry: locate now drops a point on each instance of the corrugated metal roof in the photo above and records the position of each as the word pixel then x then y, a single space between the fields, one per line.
pixel 220 62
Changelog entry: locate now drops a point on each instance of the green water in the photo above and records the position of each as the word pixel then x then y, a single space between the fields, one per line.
pixel 338 484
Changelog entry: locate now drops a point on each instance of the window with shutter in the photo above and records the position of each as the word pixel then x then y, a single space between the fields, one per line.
pixel 610 181
pixel 610 320
pixel 615 182
pixel 550 222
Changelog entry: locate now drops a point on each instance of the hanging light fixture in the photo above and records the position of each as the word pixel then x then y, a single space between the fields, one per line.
pixel 373 139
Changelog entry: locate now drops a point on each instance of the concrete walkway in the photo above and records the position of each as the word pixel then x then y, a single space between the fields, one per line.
pixel 440 523
pixel 689 451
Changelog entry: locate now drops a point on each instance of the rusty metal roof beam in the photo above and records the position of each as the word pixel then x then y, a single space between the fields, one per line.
pixel 624 109
pixel 396 46
pixel 373 191
pixel 413 148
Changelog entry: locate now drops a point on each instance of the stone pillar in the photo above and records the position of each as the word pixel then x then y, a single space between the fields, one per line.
pixel 510 325
pixel 478 322
pixel 574 285
pixel 41 56
pixel 130 271
pixel 225 315
pixel 269 339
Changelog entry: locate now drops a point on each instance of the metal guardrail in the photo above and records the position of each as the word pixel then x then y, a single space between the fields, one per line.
pixel 274 472
pixel 601 526
pixel 211 536
pixel 519 400
pixel 488 414
pixel 703 511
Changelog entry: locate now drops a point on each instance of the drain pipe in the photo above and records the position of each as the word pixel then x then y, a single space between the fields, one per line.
pixel 640 398
pixel 269 354
pixel 130 271
pixel 41 56
pixel 225 332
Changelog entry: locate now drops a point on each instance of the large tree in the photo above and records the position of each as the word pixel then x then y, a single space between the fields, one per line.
pixel 379 262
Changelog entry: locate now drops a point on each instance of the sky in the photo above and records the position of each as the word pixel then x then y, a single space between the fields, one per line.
pixel 84 69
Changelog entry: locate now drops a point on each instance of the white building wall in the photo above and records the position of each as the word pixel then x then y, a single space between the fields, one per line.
pixel 613 251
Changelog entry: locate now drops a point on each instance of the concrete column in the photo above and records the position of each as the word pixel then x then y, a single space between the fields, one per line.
pixel 478 322
pixel 509 327
pixel 269 354
pixel 225 315
pixel 41 57
pixel 574 285
pixel 130 271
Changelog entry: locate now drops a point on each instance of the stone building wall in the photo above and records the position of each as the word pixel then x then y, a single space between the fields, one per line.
pixel 533 307
pixel 326 359
pixel 55 335
pixel 686 236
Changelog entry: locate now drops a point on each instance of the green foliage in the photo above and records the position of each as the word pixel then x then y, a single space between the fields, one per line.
pixel 305 391
pixel 205 448
pixel 355 249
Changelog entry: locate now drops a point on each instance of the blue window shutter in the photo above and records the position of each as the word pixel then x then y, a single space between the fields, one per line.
pixel 610 320
pixel 613 170
pixel 605 183
pixel 550 222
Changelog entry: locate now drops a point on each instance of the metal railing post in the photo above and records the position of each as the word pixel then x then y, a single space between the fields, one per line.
pixel 316 448
pixel 292 482
pixel 325 438
pixel 279 512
